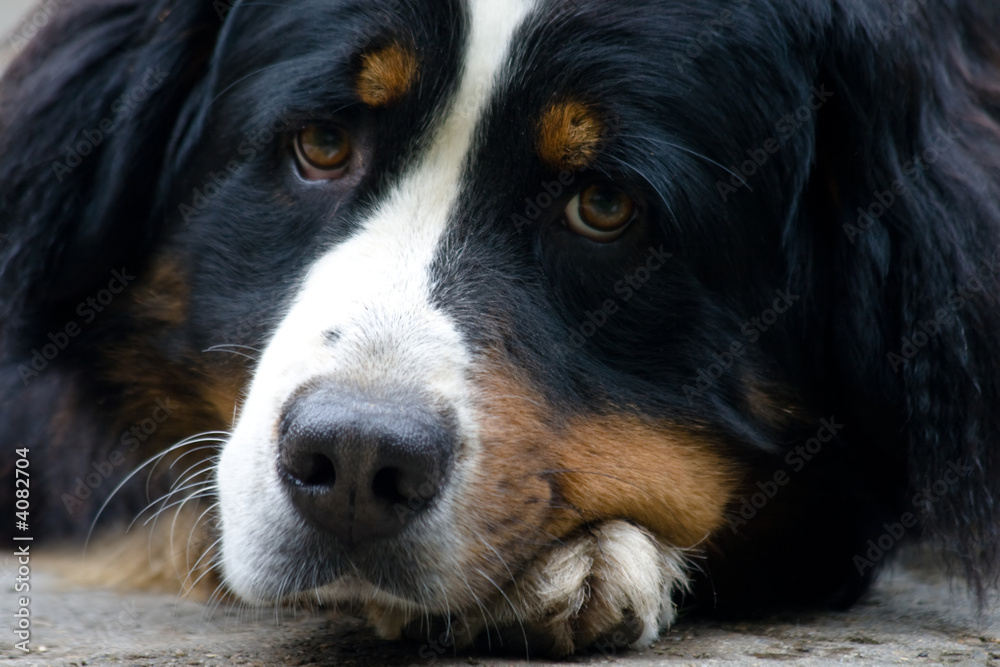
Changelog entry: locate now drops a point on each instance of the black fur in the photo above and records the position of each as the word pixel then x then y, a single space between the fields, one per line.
pixel 696 90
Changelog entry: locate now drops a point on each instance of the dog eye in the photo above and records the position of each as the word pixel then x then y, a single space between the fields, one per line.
pixel 600 212
pixel 322 152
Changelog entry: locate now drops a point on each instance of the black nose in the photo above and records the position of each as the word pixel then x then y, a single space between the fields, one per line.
pixel 360 467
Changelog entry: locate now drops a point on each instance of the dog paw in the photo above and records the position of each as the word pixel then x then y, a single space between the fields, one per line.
pixel 610 587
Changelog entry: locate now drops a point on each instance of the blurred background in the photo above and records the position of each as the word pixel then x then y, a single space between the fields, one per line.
pixel 12 15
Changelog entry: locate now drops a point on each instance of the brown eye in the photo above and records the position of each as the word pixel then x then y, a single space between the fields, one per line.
pixel 323 153
pixel 600 212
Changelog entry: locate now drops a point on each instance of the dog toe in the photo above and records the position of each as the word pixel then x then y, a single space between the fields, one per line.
pixel 609 588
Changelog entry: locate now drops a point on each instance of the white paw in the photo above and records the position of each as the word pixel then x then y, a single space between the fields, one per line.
pixel 611 587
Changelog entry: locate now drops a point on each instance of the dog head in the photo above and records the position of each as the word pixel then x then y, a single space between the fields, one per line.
pixel 503 270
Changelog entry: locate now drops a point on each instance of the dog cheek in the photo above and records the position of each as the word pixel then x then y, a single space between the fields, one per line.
pixel 670 481
pixel 567 472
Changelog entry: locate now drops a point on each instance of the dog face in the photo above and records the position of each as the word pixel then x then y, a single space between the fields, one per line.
pixel 421 418
pixel 527 297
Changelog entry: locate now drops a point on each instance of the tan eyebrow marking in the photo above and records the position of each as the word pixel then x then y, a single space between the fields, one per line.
pixel 386 75
pixel 569 135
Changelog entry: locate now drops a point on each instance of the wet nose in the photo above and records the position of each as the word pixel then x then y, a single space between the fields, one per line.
pixel 361 467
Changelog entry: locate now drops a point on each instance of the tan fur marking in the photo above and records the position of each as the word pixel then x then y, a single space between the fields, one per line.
pixel 165 295
pixel 670 480
pixel 386 75
pixel 656 475
pixel 569 135
pixel 207 387
pixel 166 556
pixel 169 392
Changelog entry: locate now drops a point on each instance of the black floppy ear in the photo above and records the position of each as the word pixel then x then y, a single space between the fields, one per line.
pixel 902 219
pixel 87 113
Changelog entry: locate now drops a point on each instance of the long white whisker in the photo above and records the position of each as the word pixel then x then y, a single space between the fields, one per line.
pixel 200 493
pixel 183 443
pixel 196 449
pixel 187 442
pixel 202 487
pixel 183 477
pixel 194 528
pixel 691 152
pixel 517 614
pixel 194 583
pixel 221 348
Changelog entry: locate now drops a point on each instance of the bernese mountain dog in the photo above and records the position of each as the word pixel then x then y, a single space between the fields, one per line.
pixel 532 320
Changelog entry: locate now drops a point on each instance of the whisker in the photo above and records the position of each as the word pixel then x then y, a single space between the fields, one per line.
pixel 223 348
pixel 499 558
pixel 516 612
pixel 208 550
pixel 200 489
pixel 659 194
pixel 196 449
pixel 207 463
pixel 245 347
pixel 482 609
pixel 187 442
pixel 685 149
pixel 205 485
pixel 200 437
pixel 194 528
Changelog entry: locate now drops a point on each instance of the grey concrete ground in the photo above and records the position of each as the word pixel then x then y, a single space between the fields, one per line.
pixel 913 618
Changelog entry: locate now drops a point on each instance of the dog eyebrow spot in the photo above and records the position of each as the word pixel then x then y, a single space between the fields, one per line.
pixel 569 135
pixel 332 336
pixel 386 75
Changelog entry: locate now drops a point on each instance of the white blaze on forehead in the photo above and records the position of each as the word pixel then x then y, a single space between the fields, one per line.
pixel 377 284
pixel 374 291
pixel 415 215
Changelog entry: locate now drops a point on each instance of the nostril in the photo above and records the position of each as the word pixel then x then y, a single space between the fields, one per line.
pixel 349 461
pixel 311 469
pixel 386 485
pixel 412 485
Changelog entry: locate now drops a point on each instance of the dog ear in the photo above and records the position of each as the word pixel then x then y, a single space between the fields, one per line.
pixel 87 113
pixel 902 221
